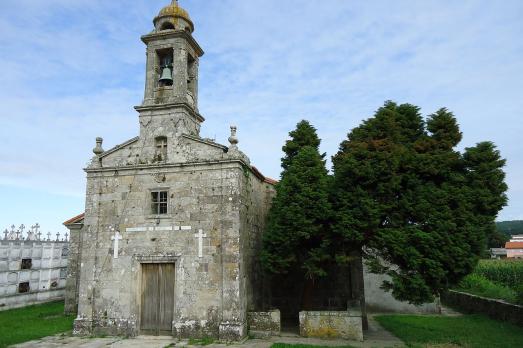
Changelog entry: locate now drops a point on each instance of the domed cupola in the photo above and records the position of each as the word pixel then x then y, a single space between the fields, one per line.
pixel 173 17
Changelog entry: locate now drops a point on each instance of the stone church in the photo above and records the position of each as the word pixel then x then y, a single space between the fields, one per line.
pixel 172 226
pixel 169 242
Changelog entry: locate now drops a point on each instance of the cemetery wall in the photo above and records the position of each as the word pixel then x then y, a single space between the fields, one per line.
pixel 31 271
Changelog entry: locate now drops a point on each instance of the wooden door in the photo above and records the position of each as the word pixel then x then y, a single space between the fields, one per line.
pixel 157 298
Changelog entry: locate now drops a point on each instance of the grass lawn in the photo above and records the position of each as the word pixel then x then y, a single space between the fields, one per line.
pixel 474 331
pixel 285 345
pixel 30 323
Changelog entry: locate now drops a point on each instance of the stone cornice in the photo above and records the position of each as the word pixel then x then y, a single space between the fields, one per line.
pixel 118 147
pixel 172 35
pixel 206 142
pixel 164 166
pixel 193 113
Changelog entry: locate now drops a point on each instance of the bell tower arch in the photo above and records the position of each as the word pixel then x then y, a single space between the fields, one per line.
pixel 171 82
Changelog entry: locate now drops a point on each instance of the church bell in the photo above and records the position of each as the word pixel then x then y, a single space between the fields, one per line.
pixel 167 76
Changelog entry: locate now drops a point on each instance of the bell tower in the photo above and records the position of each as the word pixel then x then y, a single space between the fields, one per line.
pixel 171 83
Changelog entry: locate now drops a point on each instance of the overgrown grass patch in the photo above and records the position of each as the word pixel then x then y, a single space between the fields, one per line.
pixel 286 345
pixel 30 323
pixel 497 279
pixel 473 331
pixel 479 285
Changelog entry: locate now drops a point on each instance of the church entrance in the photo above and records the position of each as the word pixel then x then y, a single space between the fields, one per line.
pixel 157 298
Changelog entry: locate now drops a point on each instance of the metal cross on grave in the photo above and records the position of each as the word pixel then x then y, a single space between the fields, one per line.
pixel 117 236
pixel 200 237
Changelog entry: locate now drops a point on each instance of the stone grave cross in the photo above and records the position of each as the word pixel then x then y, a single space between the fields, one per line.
pixel 117 237
pixel 37 233
pixel 12 234
pixel 6 232
pixel 200 237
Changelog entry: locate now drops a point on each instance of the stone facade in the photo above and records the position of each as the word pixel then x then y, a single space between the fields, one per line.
pixel 264 324
pixel 169 196
pixel 32 269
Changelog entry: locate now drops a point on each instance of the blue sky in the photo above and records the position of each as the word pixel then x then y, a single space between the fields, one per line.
pixel 73 70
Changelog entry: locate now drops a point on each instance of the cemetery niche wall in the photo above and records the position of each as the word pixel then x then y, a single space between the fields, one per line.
pixel 33 266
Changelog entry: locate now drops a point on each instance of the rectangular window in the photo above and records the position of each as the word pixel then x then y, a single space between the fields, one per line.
pixel 159 202
pixel 23 287
pixel 27 264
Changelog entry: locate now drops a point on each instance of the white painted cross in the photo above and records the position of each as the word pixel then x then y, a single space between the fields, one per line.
pixel 200 237
pixel 116 238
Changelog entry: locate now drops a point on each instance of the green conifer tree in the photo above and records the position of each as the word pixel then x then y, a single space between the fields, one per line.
pixel 295 238
pixel 406 196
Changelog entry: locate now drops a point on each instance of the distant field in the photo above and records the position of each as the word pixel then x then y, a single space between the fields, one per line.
pixel 30 323
pixel 497 279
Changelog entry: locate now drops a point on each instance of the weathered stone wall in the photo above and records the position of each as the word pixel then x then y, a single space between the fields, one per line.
pixel 495 309
pixel 256 198
pixel 347 325
pixel 46 277
pixel 264 324
pixel 73 269
pixel 379 300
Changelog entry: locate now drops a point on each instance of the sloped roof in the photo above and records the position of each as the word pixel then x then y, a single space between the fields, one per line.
pixel 514 245
pixel 75 220
pixel 262 177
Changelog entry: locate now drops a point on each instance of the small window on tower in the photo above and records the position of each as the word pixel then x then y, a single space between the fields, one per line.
pixel 159 202
pixel 161 149
pixel 167 26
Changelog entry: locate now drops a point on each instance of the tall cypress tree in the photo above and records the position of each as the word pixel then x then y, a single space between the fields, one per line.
pixel 486 180
pixel 295 238
pixel 304 135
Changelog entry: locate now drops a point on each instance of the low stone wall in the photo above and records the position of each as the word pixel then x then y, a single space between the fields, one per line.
pixel 495 309
pixel 346 324
pixel 264 324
